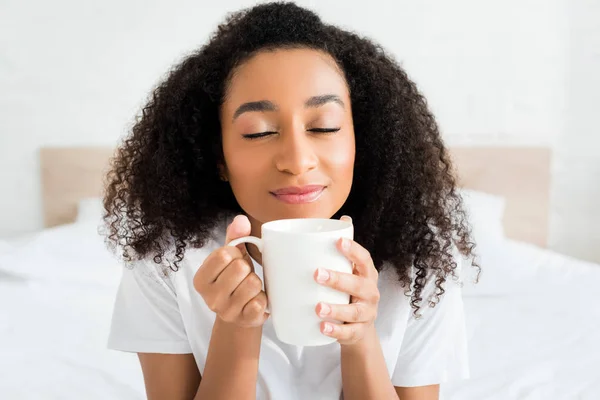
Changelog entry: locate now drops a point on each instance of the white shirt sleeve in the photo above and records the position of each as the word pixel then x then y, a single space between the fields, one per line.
pixel 434 347
pixel 146 316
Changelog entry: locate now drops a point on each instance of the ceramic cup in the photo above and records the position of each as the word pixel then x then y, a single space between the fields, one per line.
pixel 292 249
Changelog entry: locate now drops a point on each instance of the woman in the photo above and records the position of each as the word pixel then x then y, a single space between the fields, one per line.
pixel 283 116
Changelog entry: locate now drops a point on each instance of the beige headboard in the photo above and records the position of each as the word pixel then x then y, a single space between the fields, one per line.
pixel 521 175
pixel 70 174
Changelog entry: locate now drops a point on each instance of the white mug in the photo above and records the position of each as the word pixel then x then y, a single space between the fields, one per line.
pixel 292 249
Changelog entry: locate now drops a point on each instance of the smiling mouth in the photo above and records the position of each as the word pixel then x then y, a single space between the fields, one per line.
pixel 302 195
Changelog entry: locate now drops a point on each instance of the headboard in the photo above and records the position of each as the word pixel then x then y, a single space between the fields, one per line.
pixel 520 174
pixel 68 175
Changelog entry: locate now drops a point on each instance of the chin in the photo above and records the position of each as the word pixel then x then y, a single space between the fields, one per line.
pixel 302 211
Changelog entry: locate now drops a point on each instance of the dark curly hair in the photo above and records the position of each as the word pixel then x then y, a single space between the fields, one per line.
pixel 164 191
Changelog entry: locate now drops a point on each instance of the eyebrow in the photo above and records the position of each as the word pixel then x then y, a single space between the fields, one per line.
pixel 261 106
pixel 266 105
pixel 318 101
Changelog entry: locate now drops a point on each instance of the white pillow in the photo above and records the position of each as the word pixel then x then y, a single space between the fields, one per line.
pixel 485 213
pixel 89 209
pixel 69 253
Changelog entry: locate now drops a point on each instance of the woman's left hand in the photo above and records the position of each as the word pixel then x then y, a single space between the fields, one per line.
pixel 360 314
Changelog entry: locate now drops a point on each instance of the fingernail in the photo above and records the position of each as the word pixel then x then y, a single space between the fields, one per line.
pixel 322 275
pixel 325 310
pixel 347 217
pixel 345 244
pixel 328 328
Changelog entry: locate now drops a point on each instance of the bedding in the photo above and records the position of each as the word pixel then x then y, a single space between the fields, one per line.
pixel 485 213
pixel 89 209
pixel 533 323
pixel 57 288
pixel 533 327
pixel 73 253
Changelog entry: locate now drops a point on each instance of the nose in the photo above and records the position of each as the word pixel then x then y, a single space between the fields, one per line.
pixel 296 154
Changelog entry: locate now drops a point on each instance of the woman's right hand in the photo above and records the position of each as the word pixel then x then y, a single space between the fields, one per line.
pixel 228 284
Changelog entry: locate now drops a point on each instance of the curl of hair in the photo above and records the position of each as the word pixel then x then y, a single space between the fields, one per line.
pixel 163 192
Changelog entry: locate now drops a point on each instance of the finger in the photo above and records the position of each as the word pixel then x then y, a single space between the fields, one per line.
pixel 217 294
pixel 346 218
pixel 214 265
pixel 348 333
pixel 355 312
pixel 232 276
pixel 354 285
pixel 250 287
pixel 256 308
pixel 239 227
pixel 358 255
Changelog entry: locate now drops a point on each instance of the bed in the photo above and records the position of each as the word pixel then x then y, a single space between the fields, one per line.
pixel 57 287
pixel 533 320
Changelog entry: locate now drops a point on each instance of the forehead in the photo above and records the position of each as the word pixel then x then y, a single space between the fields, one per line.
pixel 285 76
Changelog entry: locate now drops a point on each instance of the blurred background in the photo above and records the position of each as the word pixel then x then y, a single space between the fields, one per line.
pixel 519 74
pixel 73 73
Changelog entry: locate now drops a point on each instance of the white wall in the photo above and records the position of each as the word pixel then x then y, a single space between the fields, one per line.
pixel 75 73
pixel 576 199
pixel 493 72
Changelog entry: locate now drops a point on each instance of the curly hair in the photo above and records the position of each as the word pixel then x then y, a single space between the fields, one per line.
pixel 164 191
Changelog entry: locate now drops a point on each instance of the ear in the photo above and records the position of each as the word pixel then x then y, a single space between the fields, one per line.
pixel 223 175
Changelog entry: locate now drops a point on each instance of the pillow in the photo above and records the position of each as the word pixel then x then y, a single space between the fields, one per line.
pixel 90 209
pixel 485 213
pixel 70 253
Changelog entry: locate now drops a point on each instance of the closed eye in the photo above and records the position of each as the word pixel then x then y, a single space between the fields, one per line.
pixel 259 135
pixel 324 130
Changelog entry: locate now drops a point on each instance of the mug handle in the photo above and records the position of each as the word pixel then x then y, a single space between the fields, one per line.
pixel 258 242
pixel 248 239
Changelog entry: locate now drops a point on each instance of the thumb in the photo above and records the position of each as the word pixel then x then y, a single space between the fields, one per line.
pixel 239 227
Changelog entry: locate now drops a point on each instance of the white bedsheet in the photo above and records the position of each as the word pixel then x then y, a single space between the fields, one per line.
pixel 533 324
pixel 57 288
pixel 534 328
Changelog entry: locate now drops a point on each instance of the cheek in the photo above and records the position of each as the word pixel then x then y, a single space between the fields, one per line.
pixel 238 161
pixel 245 170
pixel 243 165
pixel 340 158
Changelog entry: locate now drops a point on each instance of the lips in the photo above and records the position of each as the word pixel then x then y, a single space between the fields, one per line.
pixel 299 194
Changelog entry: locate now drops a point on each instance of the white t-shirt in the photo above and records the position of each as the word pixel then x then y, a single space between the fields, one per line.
pixel 160 312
